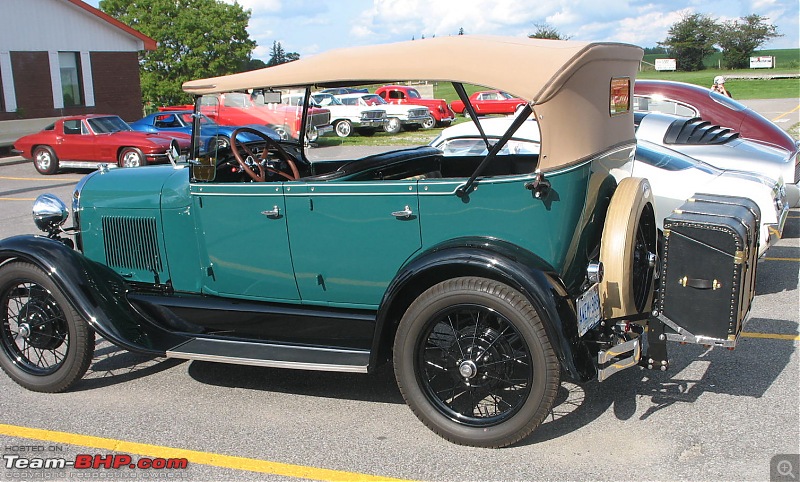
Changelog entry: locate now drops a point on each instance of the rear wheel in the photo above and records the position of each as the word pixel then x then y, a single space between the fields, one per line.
pixel 45 160
pixel 131 157
pixel 45 346
pixel 474 363
pixel 629 250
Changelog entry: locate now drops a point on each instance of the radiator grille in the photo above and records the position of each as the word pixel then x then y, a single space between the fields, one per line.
pixel 131 242
pixel 373 114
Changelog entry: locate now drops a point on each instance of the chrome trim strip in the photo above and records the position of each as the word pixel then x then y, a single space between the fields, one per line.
pixel 267 363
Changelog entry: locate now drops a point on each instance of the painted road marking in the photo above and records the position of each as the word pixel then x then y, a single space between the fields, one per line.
pixel 781 259
pixel 17 199
pixel 51 179
pixel 203 458
pixel 771 336
pixel 786 113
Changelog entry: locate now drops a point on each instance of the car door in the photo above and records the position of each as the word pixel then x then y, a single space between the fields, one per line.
pixel 75 142
pixel 349 239
pixel 243 240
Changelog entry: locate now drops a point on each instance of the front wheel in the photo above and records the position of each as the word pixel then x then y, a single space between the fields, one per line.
pixel 343 128
pixel 132 157
pixel 45 160
pixel 393 126
pixel 429 123
pixel 474 363
pixel 45 346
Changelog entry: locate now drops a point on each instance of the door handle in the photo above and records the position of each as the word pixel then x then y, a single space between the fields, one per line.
pixel 404 214
pixel 273 213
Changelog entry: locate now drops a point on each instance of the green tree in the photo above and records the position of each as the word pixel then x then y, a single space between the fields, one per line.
pixel 277 55
pixel 690 40
pixel 739 39
pixel 547 31
pixel 196 39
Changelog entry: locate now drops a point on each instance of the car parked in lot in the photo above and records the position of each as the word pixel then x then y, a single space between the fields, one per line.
pixel 441 113
pixel 484 278
pixel 214 135
pixel 349 118
pixel 85 141
pixel 408 116
pixel 721 147
pixel 487 102
pixel 689 100
pixel 243 108
pixel 674 176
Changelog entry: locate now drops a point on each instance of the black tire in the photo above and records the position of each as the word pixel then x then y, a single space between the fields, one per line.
pixel 629 250
pixel 45 160
pixel 131 157
pixel 366 131
pixel 343 128
pixel 460 361
pixel 393 126
pixel 45 346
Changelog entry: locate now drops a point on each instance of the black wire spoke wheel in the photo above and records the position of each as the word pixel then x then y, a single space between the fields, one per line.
pixel 644 257
pixel 474 363
pixel 45 345
pixel 34 331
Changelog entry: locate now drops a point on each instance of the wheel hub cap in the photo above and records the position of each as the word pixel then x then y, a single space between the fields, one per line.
pixel 468 369
pixel 25 330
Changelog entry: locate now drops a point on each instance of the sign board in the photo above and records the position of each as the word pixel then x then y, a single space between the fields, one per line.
pixel 763 62
pixel 666 64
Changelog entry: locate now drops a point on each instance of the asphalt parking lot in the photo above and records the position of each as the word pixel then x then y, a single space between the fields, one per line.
pixel 715 415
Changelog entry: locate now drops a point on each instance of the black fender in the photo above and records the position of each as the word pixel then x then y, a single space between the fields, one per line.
pixel 499 260
pixel 96 292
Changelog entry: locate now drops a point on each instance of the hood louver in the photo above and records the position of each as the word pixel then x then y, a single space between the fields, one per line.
pixel 132 243
pixel 696 131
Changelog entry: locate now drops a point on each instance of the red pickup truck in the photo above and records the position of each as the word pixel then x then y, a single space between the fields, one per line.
pixel 403 94
pixel 239 109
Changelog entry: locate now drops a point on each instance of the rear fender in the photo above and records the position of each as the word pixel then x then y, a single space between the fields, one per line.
pixel 501 261
pixel 95 291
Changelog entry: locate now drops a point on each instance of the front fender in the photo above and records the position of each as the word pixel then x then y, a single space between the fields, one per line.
pixel 501 261
pixel 96 292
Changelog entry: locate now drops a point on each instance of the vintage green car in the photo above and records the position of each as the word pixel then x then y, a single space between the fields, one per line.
pixel 484 279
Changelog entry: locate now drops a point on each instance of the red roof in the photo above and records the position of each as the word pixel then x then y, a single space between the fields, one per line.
pixel 149 44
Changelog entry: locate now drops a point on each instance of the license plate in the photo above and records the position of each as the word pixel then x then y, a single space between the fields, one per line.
pixel 588 309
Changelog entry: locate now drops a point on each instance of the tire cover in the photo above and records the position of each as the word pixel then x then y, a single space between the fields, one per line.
pixel 617 247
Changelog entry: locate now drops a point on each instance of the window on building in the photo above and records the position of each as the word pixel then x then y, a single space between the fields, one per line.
pixel 70 66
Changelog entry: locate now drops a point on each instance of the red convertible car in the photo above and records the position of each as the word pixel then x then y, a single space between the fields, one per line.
pixel 490 102
pixel 403 94
pixel 84 141
pixel 691 100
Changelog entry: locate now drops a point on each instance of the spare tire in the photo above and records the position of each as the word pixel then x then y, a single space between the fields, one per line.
pixel 628 250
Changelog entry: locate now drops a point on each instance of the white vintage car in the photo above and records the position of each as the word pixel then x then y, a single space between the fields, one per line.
pixel 409 116
pixel 347 118
pixel 674 176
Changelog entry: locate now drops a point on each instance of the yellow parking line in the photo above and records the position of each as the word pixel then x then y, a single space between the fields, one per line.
pixel 786 113
pixel 781 259
pixel 204 458
pixel 17 199
pixel 42 178
pixel 772 336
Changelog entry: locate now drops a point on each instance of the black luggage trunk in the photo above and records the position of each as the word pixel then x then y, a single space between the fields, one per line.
pixel 709 264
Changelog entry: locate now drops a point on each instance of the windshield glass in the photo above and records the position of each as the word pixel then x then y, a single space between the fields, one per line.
pixel 107 125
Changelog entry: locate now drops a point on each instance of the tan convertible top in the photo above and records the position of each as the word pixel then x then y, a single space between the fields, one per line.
pixel 576 76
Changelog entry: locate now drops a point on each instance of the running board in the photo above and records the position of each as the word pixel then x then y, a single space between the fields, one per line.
pixel 272 355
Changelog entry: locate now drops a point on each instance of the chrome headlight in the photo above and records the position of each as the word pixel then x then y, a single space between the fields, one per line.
pixel 49 213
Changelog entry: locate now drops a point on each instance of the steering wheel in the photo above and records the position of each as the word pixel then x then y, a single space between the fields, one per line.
pixel 269 143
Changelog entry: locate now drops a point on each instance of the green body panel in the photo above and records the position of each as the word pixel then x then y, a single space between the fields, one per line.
pixel 346 244
pixel 244 252
pixel 338 242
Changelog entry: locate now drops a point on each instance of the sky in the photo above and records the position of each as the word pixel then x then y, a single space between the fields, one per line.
pixel 313 26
